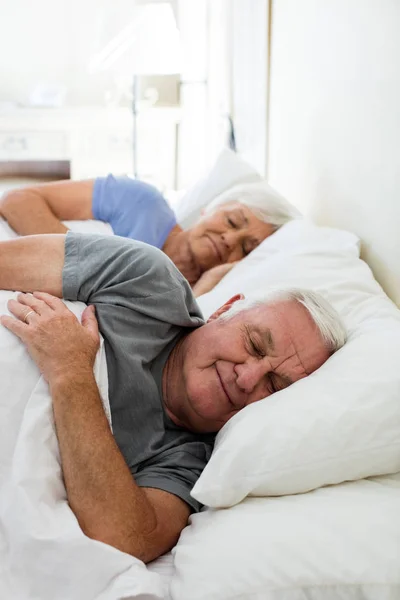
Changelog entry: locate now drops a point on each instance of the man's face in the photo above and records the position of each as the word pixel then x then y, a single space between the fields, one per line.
pixel 229 364
pixel 226 235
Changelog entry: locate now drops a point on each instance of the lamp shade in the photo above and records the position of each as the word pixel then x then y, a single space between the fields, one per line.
pixel 148 44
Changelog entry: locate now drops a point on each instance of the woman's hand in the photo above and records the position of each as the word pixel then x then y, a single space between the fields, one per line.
pixel 57 342
pixel 210 278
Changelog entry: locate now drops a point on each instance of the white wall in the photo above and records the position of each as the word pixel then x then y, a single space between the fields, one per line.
pixel 335 119
pixel 192 144
pixel 46 41
pixel 250 22
pixel 52 41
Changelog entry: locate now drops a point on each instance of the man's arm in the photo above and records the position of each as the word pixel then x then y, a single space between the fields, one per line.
pixel 41 209
pixel 108 504
pixel 33 263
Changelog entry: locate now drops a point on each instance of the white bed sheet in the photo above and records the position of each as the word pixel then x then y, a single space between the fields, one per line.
pixel 164 567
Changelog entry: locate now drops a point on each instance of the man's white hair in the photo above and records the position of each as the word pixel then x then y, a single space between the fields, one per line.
pixel 261 199
pixel 325 317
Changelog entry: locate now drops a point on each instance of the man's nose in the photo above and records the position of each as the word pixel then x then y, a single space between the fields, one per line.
pixel 250 374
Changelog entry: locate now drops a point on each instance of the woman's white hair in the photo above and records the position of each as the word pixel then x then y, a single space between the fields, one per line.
pixel 325 317
pixel 261 199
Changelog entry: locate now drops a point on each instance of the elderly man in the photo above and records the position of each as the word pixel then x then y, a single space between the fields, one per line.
pixel 173 381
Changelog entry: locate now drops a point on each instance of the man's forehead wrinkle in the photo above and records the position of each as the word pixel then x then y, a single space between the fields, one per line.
pixel 285 360
pixel 288 329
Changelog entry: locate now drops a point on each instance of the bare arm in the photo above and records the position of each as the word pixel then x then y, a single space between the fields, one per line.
pixel 41 209
pixel 108 504
pixel 33 263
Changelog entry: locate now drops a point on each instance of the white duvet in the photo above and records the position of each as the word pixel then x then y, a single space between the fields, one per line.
pixel 43 553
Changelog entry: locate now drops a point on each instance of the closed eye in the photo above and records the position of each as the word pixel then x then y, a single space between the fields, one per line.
pixel 249 245
pixel 272 385
pixel 245 250
pixel 278 382
pixel 232 223
pixel 256 348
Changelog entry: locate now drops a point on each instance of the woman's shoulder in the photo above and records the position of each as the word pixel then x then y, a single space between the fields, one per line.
pixel 136 209
pixel 136 191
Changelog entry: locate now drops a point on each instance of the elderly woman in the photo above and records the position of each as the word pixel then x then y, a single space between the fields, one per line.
pixel 229 229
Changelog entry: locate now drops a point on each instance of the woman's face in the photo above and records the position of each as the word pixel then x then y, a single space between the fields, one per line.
pixel 228 234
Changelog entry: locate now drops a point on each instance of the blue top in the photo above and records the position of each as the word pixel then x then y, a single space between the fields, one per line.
pixel 134 209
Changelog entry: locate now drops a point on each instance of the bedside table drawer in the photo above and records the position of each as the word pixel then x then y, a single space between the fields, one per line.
pixel 20 145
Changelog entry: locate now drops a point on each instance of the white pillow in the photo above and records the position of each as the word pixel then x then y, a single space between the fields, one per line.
pixel 228 170
pixel 336 543
pixel 343 421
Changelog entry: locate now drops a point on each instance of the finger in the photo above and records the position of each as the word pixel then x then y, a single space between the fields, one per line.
pixel 35 304
pixel 15 326
pixel 50 300
pixel 89 322
pixel 20 311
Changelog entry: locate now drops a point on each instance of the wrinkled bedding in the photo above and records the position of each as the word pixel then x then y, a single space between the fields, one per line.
pixel 43 552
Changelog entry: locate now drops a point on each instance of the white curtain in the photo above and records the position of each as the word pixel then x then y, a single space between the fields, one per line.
pixel 226 46
pixel 250 66
pixel 219 74
pixel 205 84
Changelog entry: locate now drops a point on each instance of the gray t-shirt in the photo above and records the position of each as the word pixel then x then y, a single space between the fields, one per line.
pixel 143 305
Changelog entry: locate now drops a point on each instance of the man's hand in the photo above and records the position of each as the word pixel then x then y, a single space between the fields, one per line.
pixel 210 278
pixel 55 339
pixel 109 505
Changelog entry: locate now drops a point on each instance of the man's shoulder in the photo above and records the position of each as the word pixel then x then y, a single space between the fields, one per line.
pixel 148 258
pixel 131 259
pixel 126 270
pixel 123 252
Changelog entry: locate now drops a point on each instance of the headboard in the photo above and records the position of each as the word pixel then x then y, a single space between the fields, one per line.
pixel 334 120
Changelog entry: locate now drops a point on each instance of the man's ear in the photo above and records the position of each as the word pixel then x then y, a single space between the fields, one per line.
pixel 225 307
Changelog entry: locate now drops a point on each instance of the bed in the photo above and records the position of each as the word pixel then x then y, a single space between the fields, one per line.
pixel 302 491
